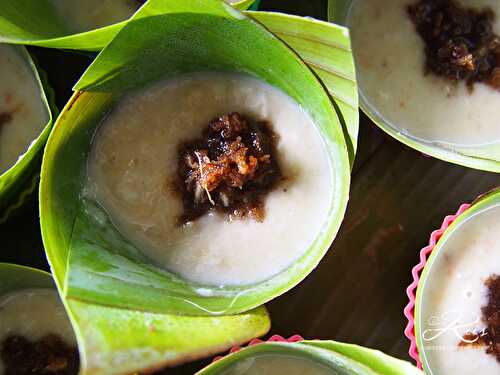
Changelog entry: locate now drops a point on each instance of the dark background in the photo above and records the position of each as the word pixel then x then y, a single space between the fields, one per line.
pixel 357 294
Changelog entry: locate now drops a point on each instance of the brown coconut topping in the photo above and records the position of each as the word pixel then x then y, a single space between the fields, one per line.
pixel 48 356
pixel 5 117
pixel 230 169
pixel 490 336
pixel 460 44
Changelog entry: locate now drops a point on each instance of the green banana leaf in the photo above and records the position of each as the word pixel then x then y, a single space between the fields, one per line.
pixel 486 202
pixel 326 48
pixel 119 341
pixel 338 10
pixel 17 182
pixel 36 22
pixel 113 341
pixel 14 278
pixel 485 158
pixel 246 4
pixel 374 359
pixel 341 358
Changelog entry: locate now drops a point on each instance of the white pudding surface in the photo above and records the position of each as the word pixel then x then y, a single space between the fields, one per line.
pixel 21 98
pixel 454 294
pixel 135 153
pixel 34 313
pixel 390 62
pixel 272 364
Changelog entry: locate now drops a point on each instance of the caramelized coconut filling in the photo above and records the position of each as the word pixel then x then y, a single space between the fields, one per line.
pixel 460 44
pixel 230 169
pixel 5 117
pixel 490 336
pixel 49 355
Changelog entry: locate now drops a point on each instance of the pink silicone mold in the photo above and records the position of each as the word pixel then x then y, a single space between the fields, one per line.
pixel 416 271
pixel 274 338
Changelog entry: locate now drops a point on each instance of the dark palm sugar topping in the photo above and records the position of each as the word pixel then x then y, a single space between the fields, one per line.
pixel 48 356
pixel 490 336
pixel 460 44
pixel 5 117
pixel 229 169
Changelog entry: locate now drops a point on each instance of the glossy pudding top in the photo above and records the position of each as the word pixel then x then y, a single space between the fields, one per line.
pixel 133 171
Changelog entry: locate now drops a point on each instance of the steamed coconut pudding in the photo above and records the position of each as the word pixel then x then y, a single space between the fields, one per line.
pixel 23 114
pixel 220 178
pixel 460 300
pixel 36 337
pixel 430 68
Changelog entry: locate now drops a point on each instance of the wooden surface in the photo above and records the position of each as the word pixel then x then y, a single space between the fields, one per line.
pixel 357 294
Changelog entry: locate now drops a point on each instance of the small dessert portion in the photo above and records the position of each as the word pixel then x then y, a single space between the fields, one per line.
pixel 230 169
pixel 23 114
pixel 272 364
pixel 430 69
pixel 253 190
pixel 36 337
pixel 459 310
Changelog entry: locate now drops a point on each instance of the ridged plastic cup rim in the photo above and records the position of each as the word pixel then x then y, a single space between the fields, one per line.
pixel 273 338
pixel 409 310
